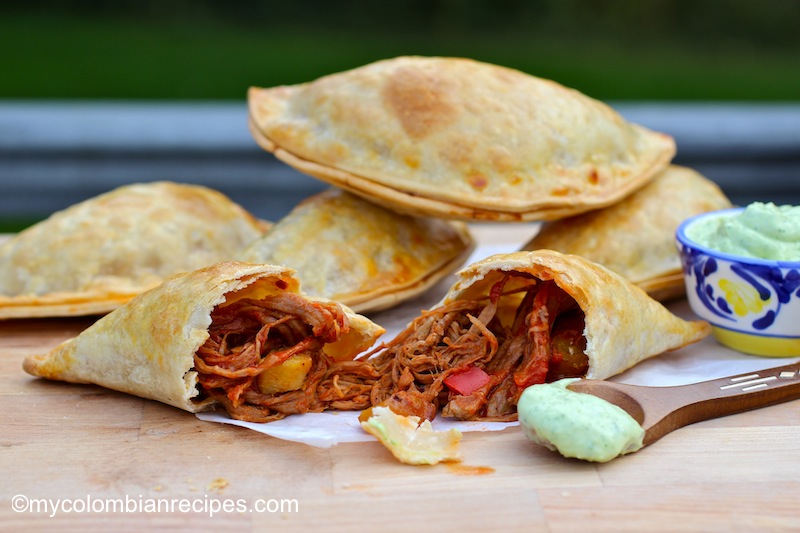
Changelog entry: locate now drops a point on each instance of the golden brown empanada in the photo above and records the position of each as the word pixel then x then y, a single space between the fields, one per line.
pixel 636 237
pixel 96 255
pixel 515 320
pixel 457 138
pixel 358 253
pixel 235 333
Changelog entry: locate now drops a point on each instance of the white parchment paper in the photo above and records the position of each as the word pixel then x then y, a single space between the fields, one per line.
pixel 699 362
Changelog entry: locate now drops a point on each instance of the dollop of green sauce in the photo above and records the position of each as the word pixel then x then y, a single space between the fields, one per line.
pixel 576 424
pixel 761 230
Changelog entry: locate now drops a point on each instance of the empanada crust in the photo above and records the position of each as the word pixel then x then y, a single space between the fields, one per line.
pixel 457 138
pixel 636 237
pixel 96 255
pixel 146 347
pixel 623 325
pixel 358 253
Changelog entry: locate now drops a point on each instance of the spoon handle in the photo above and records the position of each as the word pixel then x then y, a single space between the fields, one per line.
pixel 675 407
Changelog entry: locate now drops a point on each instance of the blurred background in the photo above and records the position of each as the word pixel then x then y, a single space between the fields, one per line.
pixel 95 94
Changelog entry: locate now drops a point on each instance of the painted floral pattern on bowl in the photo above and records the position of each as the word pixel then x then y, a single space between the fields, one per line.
pixel 740 295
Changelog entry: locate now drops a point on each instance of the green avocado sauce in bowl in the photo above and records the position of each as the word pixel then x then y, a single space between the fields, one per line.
pixel 761 231
pixel 742 272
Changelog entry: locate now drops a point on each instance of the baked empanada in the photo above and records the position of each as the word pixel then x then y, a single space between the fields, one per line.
pixel 515 320
pixel 96 255
pixel 361 254
pixel 636 237
pixel 235 333
pixel 457 138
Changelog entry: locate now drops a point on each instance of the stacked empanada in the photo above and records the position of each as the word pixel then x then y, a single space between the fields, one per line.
pixel 458 138
pixel 96 255
pixel 636 237
pixel 360 254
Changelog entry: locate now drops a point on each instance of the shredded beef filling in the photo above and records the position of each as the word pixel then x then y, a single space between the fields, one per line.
pixel 248 337
pixel 544 342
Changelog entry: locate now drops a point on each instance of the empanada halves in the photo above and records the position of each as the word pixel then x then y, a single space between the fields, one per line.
pixel 234 333
pixel 515 320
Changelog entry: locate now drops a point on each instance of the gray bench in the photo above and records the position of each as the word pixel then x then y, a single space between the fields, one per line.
pixel 54 154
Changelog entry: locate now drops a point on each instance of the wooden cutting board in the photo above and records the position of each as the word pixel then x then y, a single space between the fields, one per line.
pixel 90 449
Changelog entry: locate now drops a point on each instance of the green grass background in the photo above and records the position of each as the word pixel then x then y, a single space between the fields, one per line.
pixel 731 50
pixel 613 50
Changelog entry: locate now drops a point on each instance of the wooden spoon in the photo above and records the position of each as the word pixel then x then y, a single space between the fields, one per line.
pixel 661 410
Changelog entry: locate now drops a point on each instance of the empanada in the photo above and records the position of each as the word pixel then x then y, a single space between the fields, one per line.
pixel 515 320
pixel 636 237
pixel 235 333
pixel 457 138
pixel 361 254
pixel 96 255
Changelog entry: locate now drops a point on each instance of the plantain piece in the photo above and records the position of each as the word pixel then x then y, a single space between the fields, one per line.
pixel 289 375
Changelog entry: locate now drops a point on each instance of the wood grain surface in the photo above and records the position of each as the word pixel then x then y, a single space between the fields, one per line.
pixel 80 445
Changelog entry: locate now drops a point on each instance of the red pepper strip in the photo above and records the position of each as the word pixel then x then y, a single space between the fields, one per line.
pixel 468 381
pixel 497 290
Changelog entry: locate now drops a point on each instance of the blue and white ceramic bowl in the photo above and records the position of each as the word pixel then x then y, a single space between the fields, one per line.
pixel 753 305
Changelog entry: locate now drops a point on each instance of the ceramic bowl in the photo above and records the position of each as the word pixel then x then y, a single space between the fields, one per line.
pixel 753 305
